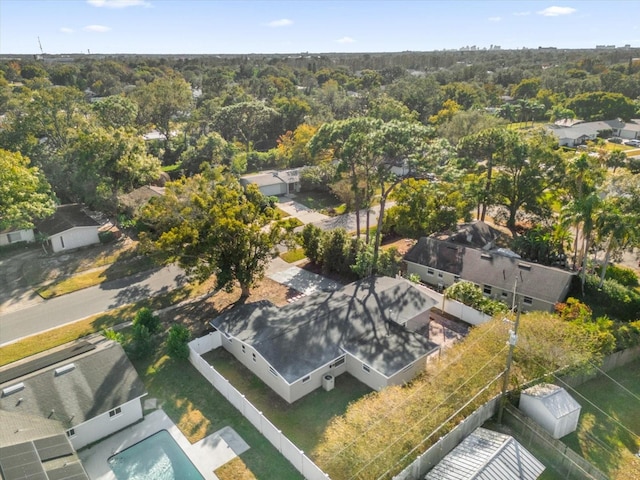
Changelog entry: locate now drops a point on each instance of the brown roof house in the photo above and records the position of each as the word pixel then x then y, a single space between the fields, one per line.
pixel 68 228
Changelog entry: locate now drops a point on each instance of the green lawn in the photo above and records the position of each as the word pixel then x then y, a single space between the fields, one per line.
pixel 199 410
pixel 601 440
pixel 304 421
pixel 291 256
pixel 321 201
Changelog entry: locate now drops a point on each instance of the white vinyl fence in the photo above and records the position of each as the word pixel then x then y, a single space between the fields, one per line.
pixel 293 454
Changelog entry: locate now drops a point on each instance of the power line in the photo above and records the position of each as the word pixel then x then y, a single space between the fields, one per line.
pixel 406 400
pixel 617 383
pixel 438 406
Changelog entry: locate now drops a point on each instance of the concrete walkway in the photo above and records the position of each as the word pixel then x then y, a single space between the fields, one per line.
pixel 299 279
pixel 207 455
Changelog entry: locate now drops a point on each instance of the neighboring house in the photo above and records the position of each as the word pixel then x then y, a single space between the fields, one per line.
pixel 68 228
pixel 132 202
pixel 36 448
pixel 366 328
pixel 7 237
pixel 497 272
pixel 275 183
pixel 577 132
pixel 474 234
pixel 551 407
pixel 89 386
pixel 487 455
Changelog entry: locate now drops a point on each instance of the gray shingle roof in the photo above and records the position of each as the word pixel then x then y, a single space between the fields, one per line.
pixel 99 381
pixel 474 234
pixel 65 218
pixel 491 268
pixel 556 399
pixel 360 319
pixel 487 455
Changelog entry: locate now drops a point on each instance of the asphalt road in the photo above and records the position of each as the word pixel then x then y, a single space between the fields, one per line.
pixel 90 301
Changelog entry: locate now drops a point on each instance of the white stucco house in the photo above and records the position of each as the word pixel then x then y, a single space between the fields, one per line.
pixel 68 228
pixel 367 328
pixel 276 182
pixel 11 236
pixel 551 407
pixel 89 386
pixel 577 132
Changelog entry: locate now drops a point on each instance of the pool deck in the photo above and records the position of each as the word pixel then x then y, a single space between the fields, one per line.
pixel 207 455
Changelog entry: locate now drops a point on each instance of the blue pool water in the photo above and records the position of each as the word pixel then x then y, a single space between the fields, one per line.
pixel 157 457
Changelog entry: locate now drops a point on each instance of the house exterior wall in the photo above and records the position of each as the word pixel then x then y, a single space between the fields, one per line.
pixel 104 424
pixel 260 367
pixel 439 277
pixel 274 190
pixel 372 378
pixel 16 236
pixel 301 388
pixel 409 372
pixel 418 322
pixel 74 238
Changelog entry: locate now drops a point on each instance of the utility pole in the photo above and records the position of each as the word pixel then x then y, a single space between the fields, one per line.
pixel 513 338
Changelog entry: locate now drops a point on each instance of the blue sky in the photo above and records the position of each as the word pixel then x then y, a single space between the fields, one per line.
pixel 262 26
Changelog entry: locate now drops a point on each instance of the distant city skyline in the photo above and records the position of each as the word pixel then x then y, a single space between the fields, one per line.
pixel 264 26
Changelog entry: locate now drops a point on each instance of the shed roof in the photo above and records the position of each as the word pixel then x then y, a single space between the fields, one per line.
pixel 487 455
pixel 555 399
pixel 491 268
pixel 364 318
pixel 65 218
pixel 74 389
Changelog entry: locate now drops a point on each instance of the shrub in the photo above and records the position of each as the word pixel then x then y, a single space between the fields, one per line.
pixel 106 237
pixel 623 275
pixel 145 317
pixel 177 341
pixel 111 334
pixel 614 299
pixel 471 295
pixel 141 344
pixel 312 242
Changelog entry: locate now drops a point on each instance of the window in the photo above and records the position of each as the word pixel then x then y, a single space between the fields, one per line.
pixel 487 289
pixel 244 349
pixel 527 300
pixel 337 363
pixel 116 411
pixel 253 356
pixel 273 372
pixel 439 274
pixel 62 242
pixel 71 433
pixel 366 368
pixel 505 294
pixel 430 271
pixel 456 278
pixel 524 266
pixel 306 379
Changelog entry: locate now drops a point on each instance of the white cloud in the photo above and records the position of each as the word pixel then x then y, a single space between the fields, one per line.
pixel 283 22
pixel 522 14
pixel 96 28
pixel 495 19
pixel 66 30
pixel 345 40
pixel 119 3
pixel 556 11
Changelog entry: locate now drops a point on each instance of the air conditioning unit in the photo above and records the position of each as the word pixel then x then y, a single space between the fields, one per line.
pixel 328 382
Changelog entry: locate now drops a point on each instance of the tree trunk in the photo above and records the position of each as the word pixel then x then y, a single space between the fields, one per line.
pixel 487 188
pixel 245 290
pixel 376 245
pixel 368 221
pixel 583 274
pixel 607 256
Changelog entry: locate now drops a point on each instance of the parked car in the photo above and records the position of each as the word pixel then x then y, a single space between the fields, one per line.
pixel 615 140
pixel 633 143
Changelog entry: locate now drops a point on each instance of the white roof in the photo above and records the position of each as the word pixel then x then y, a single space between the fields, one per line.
pixel 487 455
pixel 555 399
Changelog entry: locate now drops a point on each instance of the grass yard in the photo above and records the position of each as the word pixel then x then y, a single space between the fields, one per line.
pixel 304 421
pixel 610 445
pixel 291 256
pixel 199 410
pixel 96 276
pixel 320 201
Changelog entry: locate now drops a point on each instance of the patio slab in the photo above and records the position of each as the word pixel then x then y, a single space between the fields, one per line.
pixel 207 455
pixel 303 281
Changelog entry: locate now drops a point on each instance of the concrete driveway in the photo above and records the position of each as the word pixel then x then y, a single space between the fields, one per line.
pixel 299 211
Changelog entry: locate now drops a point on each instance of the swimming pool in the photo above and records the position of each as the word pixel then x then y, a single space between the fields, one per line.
pixel 157 457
